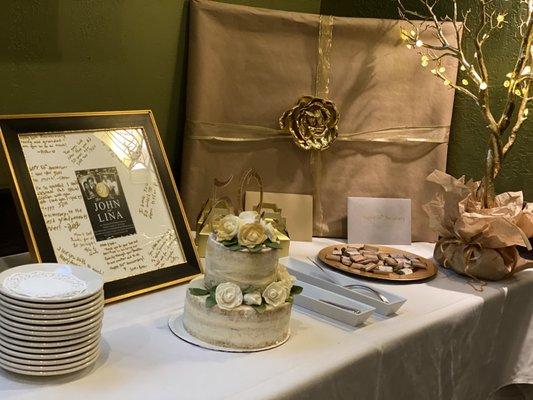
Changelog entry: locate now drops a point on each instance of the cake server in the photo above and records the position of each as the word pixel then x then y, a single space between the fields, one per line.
pixel 331 305
pixel 330 277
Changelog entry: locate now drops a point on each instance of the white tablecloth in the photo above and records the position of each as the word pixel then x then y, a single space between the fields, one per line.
pixel 447 342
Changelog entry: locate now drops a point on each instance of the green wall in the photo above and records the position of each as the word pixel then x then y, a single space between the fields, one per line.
pixel 64 55
pixel 98 55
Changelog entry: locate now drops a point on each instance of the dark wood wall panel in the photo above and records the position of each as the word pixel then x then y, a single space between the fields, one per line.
pixel 11 235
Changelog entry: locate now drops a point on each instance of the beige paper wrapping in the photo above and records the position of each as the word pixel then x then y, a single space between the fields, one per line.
pixel 476 241
pixel 248 65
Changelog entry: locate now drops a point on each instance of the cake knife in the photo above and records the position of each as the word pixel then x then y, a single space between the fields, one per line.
pixel 331 303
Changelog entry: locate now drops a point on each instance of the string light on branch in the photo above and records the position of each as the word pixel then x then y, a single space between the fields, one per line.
pixel 500 19
pixel 472 29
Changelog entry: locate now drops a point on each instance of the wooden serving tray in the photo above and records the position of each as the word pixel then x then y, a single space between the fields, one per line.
pixel 418 275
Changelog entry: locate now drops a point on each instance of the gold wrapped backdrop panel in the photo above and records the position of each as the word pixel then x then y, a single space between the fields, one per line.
pixel 247 66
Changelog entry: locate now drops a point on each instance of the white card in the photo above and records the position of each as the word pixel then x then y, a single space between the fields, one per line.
pixel 379 220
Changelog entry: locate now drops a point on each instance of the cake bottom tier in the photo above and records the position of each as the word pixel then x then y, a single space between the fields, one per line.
pixel 240 328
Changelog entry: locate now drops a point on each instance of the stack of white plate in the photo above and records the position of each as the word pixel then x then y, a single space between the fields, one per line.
pixel 50 318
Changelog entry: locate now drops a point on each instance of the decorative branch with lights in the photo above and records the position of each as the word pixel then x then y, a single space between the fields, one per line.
pixel 475 83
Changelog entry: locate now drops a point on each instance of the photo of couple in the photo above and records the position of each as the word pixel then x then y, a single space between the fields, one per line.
pixel 105 202
pixel 100 183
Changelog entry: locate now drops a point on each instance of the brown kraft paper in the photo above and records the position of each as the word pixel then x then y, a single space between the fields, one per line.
pixel 247 66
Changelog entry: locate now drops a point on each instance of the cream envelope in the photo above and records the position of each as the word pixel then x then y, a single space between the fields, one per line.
pixel 296 208
pixel 379 220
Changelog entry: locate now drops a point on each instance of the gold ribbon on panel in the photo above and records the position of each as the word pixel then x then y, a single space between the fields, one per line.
pixel 323 72
pixel 227 132
pixel 323 68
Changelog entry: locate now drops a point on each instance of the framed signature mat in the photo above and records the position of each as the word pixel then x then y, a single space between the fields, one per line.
pixel 96 189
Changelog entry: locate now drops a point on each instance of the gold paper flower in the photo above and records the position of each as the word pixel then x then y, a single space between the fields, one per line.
pixel 228 227
pixel 270 231
pixel 253 299
pixel 312 123
pixel 275 294
pixel 252 234
pixel 228 296
pixel 285 279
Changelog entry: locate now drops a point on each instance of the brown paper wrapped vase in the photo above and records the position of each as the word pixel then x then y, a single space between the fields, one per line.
pixel 477 242
pixel 376 122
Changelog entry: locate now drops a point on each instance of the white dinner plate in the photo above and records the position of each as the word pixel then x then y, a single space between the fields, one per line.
pixel 50 328
pixel 44 368
pixel 53 306
pixel 43 363
pixel 28 318
pixel 61 282
pixel 32 332
pixel 49 356
pixel 40 344
pixel 32 338
pixel 49 370
pixel 175 323
pixel 47 350
pixel 51 313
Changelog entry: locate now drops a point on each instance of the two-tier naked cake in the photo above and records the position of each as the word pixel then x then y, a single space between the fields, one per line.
pixel 244 299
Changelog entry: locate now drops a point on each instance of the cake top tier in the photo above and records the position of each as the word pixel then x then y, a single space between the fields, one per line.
pixel 245 268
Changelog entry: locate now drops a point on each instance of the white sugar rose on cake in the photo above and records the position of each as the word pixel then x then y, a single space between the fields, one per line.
pixel 244 299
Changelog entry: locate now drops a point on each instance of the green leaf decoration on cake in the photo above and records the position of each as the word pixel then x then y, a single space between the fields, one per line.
pixel 229 243
pixel 249 289
pixel 198 291
pixel 260 308
pixel 232 244
pixel 273 245
pixel 296 290
pixel 290 299
pixel 256 248
pixel 210 301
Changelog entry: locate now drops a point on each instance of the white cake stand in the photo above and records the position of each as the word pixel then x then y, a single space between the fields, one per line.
pixel 175 323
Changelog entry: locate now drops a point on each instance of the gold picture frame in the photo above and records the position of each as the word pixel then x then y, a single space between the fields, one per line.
pixel 96 189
